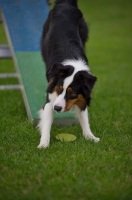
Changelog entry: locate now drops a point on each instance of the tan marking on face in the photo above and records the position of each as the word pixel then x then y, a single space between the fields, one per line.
pixel 69 89
pixel 54 90
pixel 70 103
pixel 58 89
pixel 61 88
pixel 80 101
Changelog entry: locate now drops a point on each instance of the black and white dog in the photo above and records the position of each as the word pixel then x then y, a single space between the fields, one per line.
pixel 70 81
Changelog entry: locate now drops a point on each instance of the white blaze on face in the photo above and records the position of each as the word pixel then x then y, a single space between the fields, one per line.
pixel 78 65
pixel 60 101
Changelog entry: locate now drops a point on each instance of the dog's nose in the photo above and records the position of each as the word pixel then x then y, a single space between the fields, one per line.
pixel 57 108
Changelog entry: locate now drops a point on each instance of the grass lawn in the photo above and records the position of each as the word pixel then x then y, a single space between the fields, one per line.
pixel 82 169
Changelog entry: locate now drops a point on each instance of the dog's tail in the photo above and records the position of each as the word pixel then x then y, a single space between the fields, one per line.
pixel 70 2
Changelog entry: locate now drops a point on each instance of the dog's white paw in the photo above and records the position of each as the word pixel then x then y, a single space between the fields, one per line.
pixel 92 137
pixel 43 145
pixel 96 139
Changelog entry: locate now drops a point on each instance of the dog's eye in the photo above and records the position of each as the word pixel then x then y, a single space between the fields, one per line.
pixel 59 89
pixel 73 95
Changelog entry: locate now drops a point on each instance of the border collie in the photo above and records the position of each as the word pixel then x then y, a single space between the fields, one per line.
pixel 70 81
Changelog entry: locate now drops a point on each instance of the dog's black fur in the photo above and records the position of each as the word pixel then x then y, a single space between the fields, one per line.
pixel 65 33
pixel 70 81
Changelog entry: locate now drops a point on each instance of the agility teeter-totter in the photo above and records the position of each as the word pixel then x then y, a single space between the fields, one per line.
pixel 23 21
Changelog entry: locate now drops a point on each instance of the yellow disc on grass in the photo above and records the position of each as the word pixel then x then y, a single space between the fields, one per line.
pixel 65 137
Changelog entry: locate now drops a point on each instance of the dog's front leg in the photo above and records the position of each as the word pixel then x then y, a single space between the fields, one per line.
pixel 46 119
pixel 83 118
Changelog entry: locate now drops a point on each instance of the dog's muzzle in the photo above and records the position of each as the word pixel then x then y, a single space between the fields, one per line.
pixel 57 108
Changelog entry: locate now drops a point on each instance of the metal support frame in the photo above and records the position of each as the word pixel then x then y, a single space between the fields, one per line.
pixel 5 53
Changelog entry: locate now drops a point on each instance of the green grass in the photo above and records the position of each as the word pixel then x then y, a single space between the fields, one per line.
pixel 81 169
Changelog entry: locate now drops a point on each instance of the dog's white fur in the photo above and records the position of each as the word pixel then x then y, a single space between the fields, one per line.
pixel 46 114
pixel 78 65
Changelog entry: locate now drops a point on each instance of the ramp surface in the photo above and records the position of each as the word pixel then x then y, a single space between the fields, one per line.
pixel 23 20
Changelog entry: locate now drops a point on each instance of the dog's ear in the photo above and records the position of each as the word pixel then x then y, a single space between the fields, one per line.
pixel 87 81
pixel 58 69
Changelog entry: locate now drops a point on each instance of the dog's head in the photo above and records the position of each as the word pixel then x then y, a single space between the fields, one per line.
pixel 71 86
